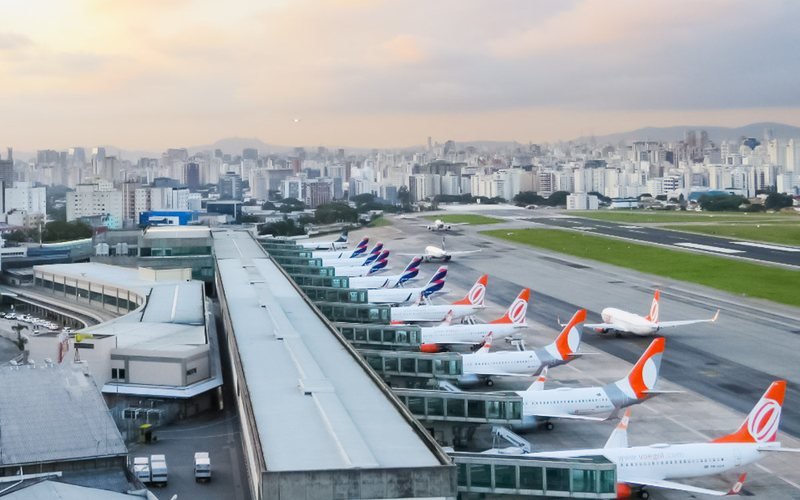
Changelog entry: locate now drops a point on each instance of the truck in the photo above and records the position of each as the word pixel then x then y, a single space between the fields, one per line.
pixel 202 466
pixel 141 469
pixel 158 470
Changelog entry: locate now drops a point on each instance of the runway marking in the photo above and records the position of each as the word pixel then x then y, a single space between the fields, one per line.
pixel 635 231
pixel 770 471
pixel 708 248
pixel 792 483
pixel 631 227
pixel 768 247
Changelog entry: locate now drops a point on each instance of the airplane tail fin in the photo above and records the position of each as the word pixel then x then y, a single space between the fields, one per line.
pixel 516 311
pixel 374 253
pixel 653 315
pixel 619 437
pixel 476 294
pixel 487 344
pixel 361 248
pixel 569 340
pixel 538 384
pixel 342 237
pixel 411 271
pixel 436 283
pixel 641 380
pixel 761 425
pixel 381 262
pixel 448 319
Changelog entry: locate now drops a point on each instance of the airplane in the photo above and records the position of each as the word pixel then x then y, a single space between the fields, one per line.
pixel 617 320
pixel 439 225
pixel 364 259
pixel 436 338
pixel 404 295
pixel 359 250
pixel 351 271
pixel 388 280
pixel 584 403
pixel 338 243
pixel 434 253
pixel 468 306
pixel 657 465
pixel 483 365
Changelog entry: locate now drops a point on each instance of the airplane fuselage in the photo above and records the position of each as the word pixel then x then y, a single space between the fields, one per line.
pixel 625 321
pixel 432 313
pixel 582 401
pixel 512 362
pixel 393 295
pixel 433 253
pixel 351 272
pixel 465 333
pixel 345 262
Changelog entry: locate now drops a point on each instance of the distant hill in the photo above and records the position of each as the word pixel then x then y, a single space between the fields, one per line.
pixel 716 134
pixel 235 145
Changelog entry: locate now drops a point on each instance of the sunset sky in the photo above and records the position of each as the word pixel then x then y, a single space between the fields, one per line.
pixel 368 73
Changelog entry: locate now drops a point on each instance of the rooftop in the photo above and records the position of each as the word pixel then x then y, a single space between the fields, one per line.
pixel 315 405
pixel 53 413
pixel 49 490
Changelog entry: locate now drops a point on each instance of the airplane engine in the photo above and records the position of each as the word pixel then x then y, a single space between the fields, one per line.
pixel 447 258
pixel 430 348
pixel 624 491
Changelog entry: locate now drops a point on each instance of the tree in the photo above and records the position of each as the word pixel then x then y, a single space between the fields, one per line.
pixel 65 231
pixel 363 198
pixel 404 197
pixel 776 201
pixel 285 227
pixel 20 340
pixel 722 203
pixel 268 205
pixel 525 198
pixel 292 205
pixel 558 198
pixel 330 213
pixel 602 198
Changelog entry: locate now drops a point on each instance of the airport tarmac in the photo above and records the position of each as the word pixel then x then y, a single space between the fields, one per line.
pixel 724 367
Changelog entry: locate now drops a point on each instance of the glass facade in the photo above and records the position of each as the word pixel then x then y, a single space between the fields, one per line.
pixel 381 336
pixel 110 297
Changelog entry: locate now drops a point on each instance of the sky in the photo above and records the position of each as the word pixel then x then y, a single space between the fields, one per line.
pixel 151 74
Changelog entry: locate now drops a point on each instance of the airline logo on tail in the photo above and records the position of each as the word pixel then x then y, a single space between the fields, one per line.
pixel 374 254
pixel 653 315
pixel 411 271
pixel 476 294
pixel 361 248
pixel 761 425
pixel 516 312
pixel 381 263
pixel 644 375
pixel 436 283
pixel 569 340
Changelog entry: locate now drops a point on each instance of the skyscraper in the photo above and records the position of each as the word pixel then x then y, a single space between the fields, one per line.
pixel 7 169
pixel 192 175
pixel 230 186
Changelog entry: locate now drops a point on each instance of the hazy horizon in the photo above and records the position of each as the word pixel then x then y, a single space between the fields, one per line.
pixel 147 75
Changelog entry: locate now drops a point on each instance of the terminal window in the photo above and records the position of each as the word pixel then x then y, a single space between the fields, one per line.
pixel 118 373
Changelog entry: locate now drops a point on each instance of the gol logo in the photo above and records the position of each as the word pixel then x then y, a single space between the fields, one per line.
pixel 516 313
pixel 477 293
pixel 764 420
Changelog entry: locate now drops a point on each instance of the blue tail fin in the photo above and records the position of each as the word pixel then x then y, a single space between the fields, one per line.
pixel 381 263
pixel 374 254
pixel 436 283
pixel 360 249
pixel 411 271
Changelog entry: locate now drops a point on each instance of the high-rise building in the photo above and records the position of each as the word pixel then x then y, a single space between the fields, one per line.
pixel 24 197
pixel 250 154
pixel 192 175
pixel 318 192
pixel 89 201
pixel 7 168
pixel 230 186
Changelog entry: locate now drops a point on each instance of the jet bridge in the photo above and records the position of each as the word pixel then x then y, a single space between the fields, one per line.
pixel 284 260
pixel 317 280
pixel 453 417
pixel 395 337
pixel 413 369
pixel 355 313
pixel 328 294
pixel 293 269
pixel 481 474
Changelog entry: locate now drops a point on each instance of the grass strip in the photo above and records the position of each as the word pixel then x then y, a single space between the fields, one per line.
pixel 650 216
pixel 739 277
pixel 464 218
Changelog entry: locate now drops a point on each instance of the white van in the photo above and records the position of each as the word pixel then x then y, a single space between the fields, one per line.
pixel 202 466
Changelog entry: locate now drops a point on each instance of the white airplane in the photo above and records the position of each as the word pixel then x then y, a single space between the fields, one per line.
pixel 439 225
pixel 405 295
pixel 358 251
pixel 657 465
pixel 340 242
pixel 436 338
pixel 617 320
pixel 388 280
pixel 468 306
pixel 483 365
pixel 434 253
pixel 365 259
pixel 351 271
pixel 594 403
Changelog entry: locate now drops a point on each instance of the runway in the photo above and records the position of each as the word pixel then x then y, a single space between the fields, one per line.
pixel 729 247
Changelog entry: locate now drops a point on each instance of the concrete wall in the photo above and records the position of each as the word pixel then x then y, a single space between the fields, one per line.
pixel 426 482
pixel 155 372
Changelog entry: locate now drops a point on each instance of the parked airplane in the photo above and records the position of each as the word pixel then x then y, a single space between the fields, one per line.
pixel 439 225
pixel 405 295
pixel 358 251
pixel 388 280
pixel 365 259
pixel 617 320
pixel 483 365
pixel 585 403
pixel 658 465
pixel 433 253
pixel 436 338
pixel 340 242
pixel 350 271
pixel 468 306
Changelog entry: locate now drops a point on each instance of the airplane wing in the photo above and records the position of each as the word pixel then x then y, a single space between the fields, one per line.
pixel 672 485
pixel 463 252
pixel 599 326
pixel 668 324
pixel 573 417
pixel 505 374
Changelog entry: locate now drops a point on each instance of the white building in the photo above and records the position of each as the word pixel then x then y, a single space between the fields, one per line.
pixel 582 201
pixel 24 197
pixel 89 201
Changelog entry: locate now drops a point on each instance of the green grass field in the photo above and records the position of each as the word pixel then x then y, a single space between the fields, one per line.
pixel 651 216
pixel 461 218
pixel 742 278
pixel 380 222
pixel 786 234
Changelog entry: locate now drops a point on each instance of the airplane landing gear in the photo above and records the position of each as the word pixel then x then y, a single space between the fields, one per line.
pixel 489 382
pixel 643 493
pixel 549 426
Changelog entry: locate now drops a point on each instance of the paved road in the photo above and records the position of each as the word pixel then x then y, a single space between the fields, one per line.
pixel 731 362
pixel 729 247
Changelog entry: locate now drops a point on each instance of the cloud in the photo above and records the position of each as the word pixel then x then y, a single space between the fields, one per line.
pixel 14 41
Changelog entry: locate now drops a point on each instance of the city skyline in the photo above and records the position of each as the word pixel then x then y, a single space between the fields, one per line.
pixel 150 75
